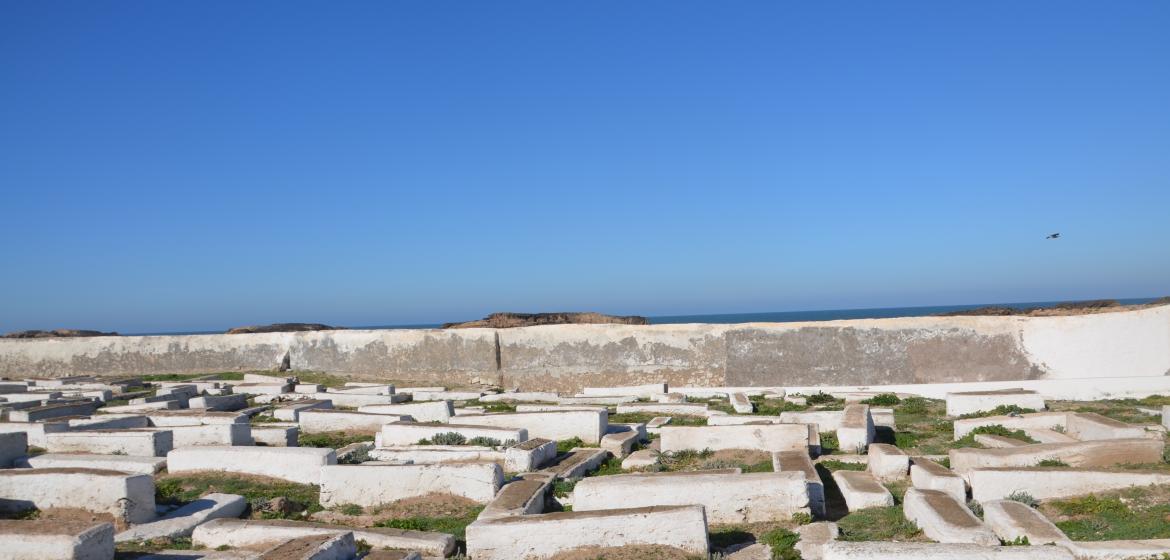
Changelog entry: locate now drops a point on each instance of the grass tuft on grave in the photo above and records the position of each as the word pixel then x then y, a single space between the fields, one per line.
pixel 269 498
pixel 994 430
pixel 334 440
pixel 1132 514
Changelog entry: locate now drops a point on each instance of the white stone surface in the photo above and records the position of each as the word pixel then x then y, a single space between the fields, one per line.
pixel 47 412
pixel 1077 454
pixel 291 412
pixel 210 434
pixel 620 444
pixel 124 463
pixel 875 550
pixel 529 455
pixel 887 463
pixel 319 421
pixel 1011 521
pixel 728 497
pixel 144 442
pixel 436 411
pixel 856 430
pixel 375 485
pixel 799 461
pixel 960 403
pixel 164 418
pixel 352 400
pixel 640 459
pixel 1088 426
pixel 181 522
pixel 648 391
pixel 522 396
pixel 589 425
pixel 740 403
pixel 737 420
pixel 35 431
pixel 124 495
pixel 663 409
pixel 55 540
pixel 944 519
pixel 764 437
pixel 1048 420
pixel 296 464
pixel 861 490
pixel 536 537
pixel 1057 482
pixel 435 454
pixel 238 533
pixel 109 422
pixel 219 402
pixel 276 434
pixel 929 475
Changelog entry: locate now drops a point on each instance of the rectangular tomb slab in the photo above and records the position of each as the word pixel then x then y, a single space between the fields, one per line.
pixel 124 463
pixel 929 475
pixel 1012 521
pixel 1078 454
pixel 640 391
pixel 876 550
pixel 142 442
pixel 407 433
pixel 13 447
pixel 663 409
pixel 56 540
pixel 523 496
pixel 944 519
pixel 887 463
pixel 292 412
pixel 799 461
pixel 728 497
pixel 971 402
pixel 1055 482
pixel 295 464
pixel 861 490
pixel 436 411
pixel 589 425
pixel 47 412
pixel 317 421
pixel 375 485
pixel 250 533
pixel 182 521
pixel 762 437
pixel 123 495
pixel 1049 420
pixel 540 536
pixel 856 431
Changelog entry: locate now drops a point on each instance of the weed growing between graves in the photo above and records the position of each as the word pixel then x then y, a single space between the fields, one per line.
pixel 154 545
pixel 491 406
pixel 782 542
pixel 317 378
pixel 878 524
pixel 821 399
pixel 1052 463
pixel 454 525
pixel 777 535
pixel 562 488
pixel 829 443
pixel 445 438
pixel 643 417
pixel 270 498
pixel 223 375
pixel 335 440
pixel 1001 410
pixel 994 430
pixel 1124 410
pixel 567 445
pixel 1134 513
pixel 884 399
pixel 773 407
pixel 1024 498
pixel 690 460
pixel 922 426
pixel 835 465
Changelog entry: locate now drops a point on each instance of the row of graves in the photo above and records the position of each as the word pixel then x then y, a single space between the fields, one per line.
pixel 645 472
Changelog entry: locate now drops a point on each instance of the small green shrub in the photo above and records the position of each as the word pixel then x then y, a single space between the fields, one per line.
pixel 483 441
pixel 782 542
pixel 1024 498
pixel 820 398
pixel 567 445
pixel 1052 463
pixel 350 509
pixel 445 438
pixel 834 465
pixel 456 526
pixel 1018 541
pixel 1001 410
pixel 884 399
pixel 914 405
pixel 801 518
pixel 995 430
pixel 333 440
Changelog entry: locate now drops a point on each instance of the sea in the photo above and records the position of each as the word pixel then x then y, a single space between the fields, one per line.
pixel 773 316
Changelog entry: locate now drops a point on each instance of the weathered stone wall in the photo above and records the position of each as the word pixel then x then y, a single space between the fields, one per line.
pixel 569 357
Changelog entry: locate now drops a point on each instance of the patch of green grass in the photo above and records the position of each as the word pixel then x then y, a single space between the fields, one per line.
pixel 820 399
pixel 155 545
pixel 181 489
pixel 995 430
pixel 491 406
pixel 782 542
pixel 349 509
pixel 33 451
pixel 611 466
pixel 1052 463
pixel 774 407
pixel 1001 410
pixel 877 524
pixel 1023 497
pixel 567 445
pixel 334 440
pixel 884 399
pixel 562 488
pixel 643 417
pixel 445 438
pixel 1132 514
pixel 264 419
pixel 829 443
pixel 914 406
pixel 834 465
pixel 456 526
pixel 316 378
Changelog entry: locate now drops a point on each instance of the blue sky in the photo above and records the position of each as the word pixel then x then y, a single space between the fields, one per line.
pixel 198 165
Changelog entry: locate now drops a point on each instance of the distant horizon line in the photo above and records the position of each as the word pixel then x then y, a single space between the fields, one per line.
pixel 824 315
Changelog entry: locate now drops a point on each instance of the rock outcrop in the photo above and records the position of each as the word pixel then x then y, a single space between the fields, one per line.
pixel 510 320
pixel 56 333
pixel 283 327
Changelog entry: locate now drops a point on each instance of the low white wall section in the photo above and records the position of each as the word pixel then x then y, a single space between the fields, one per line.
pixel 125 496
pixel 1058 482
pixel 589 425
pixel 536 537
pixel 374 485
pixel 56 540
pixel 436 411
pixel 144 442
pixel 405 433
pixel 318 421
pixel 727 497
pixel 296 464
pixel 761 437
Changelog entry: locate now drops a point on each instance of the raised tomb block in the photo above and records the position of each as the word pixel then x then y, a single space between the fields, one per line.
pixel 374 485
pixel 970 402
pixel 251 533
pixel 762 437
pixel 436 411
pixel 944 519
pixel 728 497
pixel 929 475
pixel 318 421
pixel 295 464
pixel 1099 453
pixel 589 425
pixel 56 540
pixel 407 433
pixel 145 442
pixel 124 495
pixel 861 490
pixel 540 536
pixel 1055 482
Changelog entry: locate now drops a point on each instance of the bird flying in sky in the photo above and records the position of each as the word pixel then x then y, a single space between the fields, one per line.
pixel 1053 236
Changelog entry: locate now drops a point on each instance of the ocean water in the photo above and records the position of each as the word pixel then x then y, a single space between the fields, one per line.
pixel 776 316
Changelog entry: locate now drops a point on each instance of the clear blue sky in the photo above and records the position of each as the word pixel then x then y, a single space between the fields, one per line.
pixel 198 165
